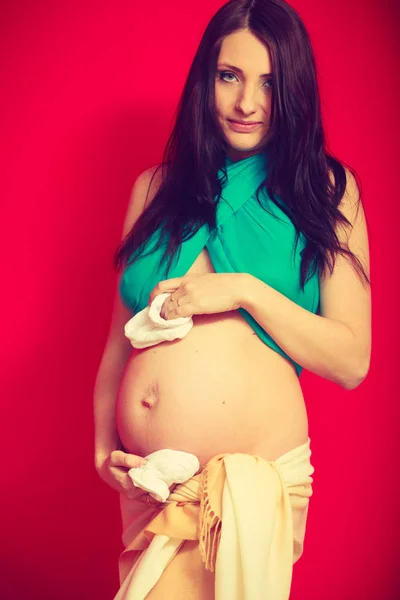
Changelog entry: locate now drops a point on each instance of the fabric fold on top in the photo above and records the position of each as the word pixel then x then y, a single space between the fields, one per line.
pixel 248 516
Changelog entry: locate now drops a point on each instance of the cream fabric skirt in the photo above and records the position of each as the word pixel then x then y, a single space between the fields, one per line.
pixel 231 532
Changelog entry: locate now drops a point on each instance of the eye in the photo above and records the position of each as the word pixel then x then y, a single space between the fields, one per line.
pixel 223 74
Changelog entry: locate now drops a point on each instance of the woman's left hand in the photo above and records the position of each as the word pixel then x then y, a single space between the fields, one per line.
pixel 201 294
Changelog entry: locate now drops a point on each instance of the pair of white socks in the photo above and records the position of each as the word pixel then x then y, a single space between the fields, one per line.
pixel 163 468
pixel 148 328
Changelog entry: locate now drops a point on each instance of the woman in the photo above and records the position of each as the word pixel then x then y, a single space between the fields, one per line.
pixel 265 304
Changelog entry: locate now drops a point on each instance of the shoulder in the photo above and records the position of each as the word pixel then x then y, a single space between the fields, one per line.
pixel 351 201
pixel 143 192
pixel 351 207
pixel 353 235
pixel 147 184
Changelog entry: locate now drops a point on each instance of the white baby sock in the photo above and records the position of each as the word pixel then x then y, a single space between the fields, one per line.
pixel 163 468
pixel 148 328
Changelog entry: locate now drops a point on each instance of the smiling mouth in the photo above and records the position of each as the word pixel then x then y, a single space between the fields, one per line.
pixel 245 122
pixel 243 128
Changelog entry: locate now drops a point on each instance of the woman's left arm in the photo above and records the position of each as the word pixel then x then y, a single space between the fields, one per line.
pixel 337 343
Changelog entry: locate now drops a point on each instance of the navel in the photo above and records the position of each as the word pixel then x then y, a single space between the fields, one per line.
pixel 147 404
pixel 150 396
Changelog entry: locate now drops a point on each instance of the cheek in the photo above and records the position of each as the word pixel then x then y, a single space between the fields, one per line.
pixel 268 104
pixel 223 99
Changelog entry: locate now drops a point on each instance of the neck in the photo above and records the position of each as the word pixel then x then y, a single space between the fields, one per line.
pixel 235 154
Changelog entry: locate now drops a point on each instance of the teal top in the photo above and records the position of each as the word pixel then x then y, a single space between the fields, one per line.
pixel 248 239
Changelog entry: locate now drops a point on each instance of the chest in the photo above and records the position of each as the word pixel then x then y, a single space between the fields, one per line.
pixel 251 240
pixel 202 265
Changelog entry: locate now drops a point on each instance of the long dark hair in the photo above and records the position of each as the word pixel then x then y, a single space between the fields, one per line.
pixel 299 167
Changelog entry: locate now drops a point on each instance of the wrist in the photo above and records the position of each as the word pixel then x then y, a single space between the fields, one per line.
pixel 101 455
pixel 247 289
pixel 100 458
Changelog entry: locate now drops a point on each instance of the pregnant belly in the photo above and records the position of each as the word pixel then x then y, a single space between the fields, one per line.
pixel 220 389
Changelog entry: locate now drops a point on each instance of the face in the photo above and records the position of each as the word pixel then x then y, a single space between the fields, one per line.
pixel 243 92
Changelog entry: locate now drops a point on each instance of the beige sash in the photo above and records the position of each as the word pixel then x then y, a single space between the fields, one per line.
pixel 232 532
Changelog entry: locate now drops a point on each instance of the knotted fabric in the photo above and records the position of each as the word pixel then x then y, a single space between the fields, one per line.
pixel 231 532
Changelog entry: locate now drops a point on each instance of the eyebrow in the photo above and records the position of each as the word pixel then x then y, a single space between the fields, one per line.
pixel 240 70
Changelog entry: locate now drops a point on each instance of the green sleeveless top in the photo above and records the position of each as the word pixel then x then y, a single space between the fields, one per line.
pixel 250 238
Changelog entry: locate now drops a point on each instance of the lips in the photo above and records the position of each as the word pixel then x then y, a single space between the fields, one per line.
pixel 245 122
pixel 243 128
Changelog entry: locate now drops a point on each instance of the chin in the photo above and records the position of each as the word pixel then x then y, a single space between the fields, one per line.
pixel 245 147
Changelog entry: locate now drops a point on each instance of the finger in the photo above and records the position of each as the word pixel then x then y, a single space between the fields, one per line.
pixel 128 487
pixel 123 459
pixel 130 494
pixel 132 491
pixel 172 283
pixel 187 310
pixel 157 291
pixel 167 285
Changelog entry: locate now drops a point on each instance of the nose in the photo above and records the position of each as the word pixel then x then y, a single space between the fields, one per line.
pixel 248 100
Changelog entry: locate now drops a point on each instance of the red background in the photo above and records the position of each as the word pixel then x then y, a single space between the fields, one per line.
pixel 89 92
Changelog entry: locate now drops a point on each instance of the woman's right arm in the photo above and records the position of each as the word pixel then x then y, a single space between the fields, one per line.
pixel 107 445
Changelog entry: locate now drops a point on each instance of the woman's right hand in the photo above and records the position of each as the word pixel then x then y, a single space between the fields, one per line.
pixel 114 471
